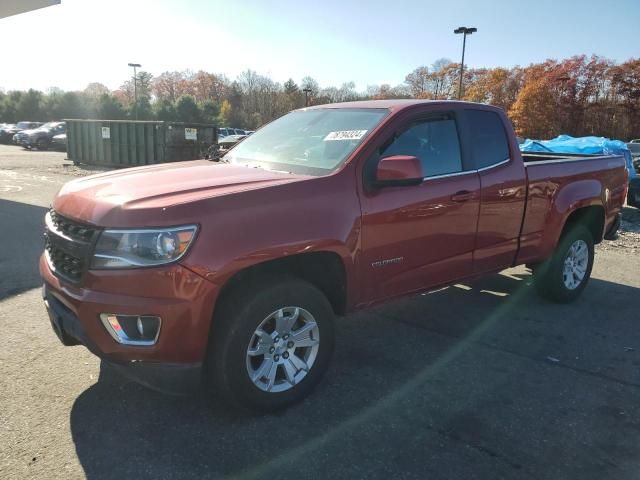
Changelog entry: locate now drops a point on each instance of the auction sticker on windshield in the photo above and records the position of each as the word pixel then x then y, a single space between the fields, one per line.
pixel 345 135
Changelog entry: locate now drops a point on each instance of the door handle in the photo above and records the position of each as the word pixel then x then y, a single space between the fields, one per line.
pixel 462 196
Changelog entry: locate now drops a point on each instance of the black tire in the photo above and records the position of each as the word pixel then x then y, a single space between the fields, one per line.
pixel 42 144
pixel 240 314
pixel 549 278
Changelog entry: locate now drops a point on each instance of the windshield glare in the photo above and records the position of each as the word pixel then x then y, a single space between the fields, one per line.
pixel 310 142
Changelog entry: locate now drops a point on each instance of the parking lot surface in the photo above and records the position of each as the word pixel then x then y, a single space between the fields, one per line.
pixel 477 381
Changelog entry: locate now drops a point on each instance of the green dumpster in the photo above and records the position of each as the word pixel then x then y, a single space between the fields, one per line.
pixel 122 143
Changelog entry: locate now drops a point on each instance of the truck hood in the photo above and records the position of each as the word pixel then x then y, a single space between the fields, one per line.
pixel 94 198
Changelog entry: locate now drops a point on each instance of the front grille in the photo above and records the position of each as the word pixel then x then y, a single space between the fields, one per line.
pixel 75 230
pixel 64 265
pixel 68 246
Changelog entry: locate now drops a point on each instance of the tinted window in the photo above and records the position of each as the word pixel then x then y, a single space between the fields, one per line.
pixel 489 140
pixel 434 142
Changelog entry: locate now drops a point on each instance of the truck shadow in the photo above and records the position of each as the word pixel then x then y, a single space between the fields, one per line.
pixel 22 226
pixel 389 361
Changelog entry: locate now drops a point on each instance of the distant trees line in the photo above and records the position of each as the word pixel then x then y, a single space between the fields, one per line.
pixel 579 96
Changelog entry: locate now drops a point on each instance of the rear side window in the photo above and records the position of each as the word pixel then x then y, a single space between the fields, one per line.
pixel 489 140
pixel 434 142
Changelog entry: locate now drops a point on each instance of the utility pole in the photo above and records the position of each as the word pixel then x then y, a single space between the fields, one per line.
pixel 135 86
pixel 306 91
pixel 465 31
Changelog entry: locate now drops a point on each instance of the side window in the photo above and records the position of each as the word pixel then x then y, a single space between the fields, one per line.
pixel 490 145
pixel 435 142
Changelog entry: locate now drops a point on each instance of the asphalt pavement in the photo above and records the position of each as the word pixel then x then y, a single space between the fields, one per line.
pixel 477 381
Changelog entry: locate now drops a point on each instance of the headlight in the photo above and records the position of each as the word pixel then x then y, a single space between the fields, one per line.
pixel 141 248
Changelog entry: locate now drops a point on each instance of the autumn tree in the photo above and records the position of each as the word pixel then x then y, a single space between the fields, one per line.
pixel 579 96
pixel 530 112
pixel 625 82
pixel 143 85
pixel 207 86
pixel 224 116
pixel 419 82
pixel 168 86
pixel 95 90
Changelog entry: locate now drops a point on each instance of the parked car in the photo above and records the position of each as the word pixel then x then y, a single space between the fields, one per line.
pixel 40 137
pixel 634 148
pixel 324 211
pixel 633 197
pixel 59 142
pixel 224 132
pixel 224 144
pixel 8 132
pixel 5 132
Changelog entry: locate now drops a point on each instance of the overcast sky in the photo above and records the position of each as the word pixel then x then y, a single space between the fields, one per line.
pixel 334 41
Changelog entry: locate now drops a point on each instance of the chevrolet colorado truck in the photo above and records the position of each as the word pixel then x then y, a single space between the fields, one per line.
pixel 233 272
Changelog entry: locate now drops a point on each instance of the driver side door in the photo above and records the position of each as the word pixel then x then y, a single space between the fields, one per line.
pixel 416 237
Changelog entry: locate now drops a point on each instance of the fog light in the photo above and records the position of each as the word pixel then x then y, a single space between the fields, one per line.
pixel 139 330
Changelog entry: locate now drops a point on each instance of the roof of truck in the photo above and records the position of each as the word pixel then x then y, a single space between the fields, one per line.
pixel 393 104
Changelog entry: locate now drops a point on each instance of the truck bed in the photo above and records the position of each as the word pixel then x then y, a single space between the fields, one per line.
pixel 554 181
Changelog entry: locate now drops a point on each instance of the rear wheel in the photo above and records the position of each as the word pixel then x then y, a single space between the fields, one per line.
pixel 563 277
pixel 271 343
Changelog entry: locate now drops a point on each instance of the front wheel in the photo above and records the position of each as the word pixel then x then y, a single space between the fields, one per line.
pixel 42 144
pixel 563 277
pixel 271 343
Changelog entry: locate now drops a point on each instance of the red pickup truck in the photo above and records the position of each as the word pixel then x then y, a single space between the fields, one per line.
pixel 233 271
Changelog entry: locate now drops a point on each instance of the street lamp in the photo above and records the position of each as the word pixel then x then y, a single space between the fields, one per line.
pixel 135 86
pixel 306 91
pixel 465 31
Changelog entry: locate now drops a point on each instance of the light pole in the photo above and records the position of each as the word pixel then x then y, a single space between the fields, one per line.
pixel 465 31
pixel 306 91
pixel 135 86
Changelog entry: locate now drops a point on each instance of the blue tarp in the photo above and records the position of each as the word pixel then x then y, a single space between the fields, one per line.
pixel 590 145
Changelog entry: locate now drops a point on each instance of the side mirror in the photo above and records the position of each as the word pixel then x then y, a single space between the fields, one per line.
pixel 399 170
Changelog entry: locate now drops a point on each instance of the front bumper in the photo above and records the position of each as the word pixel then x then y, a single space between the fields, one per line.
pixel 172 378
pixel 183 300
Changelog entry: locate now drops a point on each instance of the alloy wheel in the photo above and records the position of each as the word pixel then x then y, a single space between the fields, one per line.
pixel 283 349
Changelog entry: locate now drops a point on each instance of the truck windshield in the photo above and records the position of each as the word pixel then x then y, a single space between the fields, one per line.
pixel 308 142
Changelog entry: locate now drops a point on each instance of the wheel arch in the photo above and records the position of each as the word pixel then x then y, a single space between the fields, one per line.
pixel 579 202
pixel 324 269
pixel 591 216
